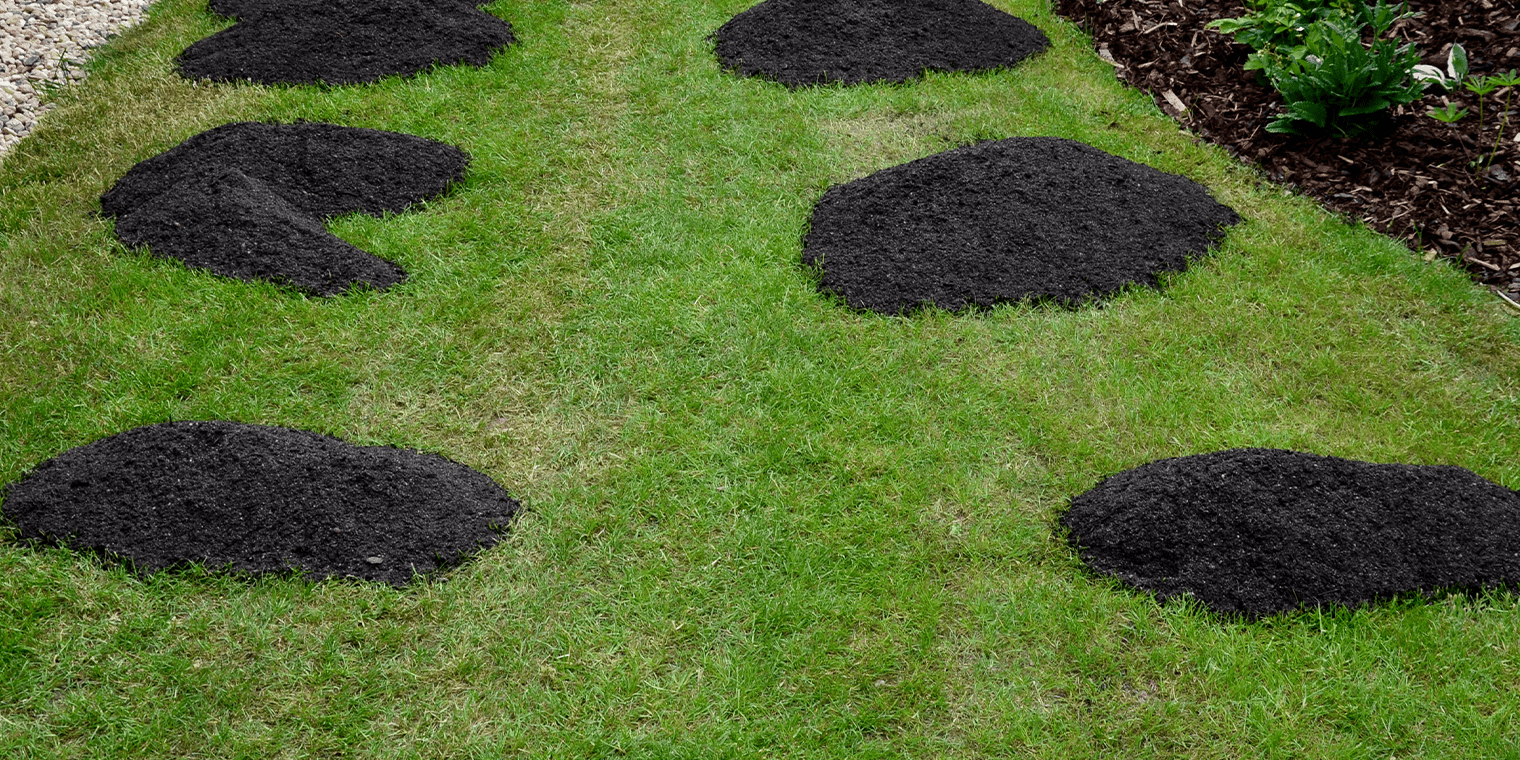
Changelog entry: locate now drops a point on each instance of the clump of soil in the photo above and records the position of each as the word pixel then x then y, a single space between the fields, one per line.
pixel 247 200
pixel 1027 218
pixel 806 42
pixel 342 41
pixel 1262 531
pixel 255 499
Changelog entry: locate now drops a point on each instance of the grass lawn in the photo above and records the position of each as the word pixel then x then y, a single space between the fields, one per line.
pixel 761 525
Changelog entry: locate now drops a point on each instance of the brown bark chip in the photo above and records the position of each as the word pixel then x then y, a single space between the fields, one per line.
pixel 807 42
pixel 1262 531
pixel 257 499
pixel 1026 218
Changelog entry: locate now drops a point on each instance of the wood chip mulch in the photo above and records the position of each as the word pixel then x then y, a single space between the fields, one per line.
pixel 1419 180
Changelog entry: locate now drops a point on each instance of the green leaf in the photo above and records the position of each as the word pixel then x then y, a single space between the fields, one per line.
pixel 1456 62
pixel 1377 104
pixel 1311 111
pixel 1283 125
pixel 1231 25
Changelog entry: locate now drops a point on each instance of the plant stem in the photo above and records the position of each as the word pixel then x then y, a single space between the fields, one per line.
pixel 1509 92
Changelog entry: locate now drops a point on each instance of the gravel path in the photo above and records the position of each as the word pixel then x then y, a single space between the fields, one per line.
pixel 45 41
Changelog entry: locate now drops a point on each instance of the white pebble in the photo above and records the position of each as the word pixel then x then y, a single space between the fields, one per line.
pixel 36 38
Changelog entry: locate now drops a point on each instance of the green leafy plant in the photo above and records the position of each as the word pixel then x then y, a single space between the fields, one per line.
pixel 1341 85
pixel 1456 70
pixel 1482 89
pixel 1480 86
pixel 1449 114
pixel 1312 53
pixel 1279 26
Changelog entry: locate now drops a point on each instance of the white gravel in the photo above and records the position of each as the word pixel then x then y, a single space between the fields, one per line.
pixel 47 41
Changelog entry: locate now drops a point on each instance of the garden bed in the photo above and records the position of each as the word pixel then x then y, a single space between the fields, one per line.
pixel 1415 181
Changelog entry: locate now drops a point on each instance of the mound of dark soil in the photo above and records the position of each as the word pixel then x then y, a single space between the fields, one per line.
pixel 246 200
pixel 254 235
pixel 1027 218
pixel 1263 531
pixel 260 500
pixel 805 42
pixel 342 41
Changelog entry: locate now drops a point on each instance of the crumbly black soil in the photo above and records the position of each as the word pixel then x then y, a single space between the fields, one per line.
pixel 256 235
pixel 806 42
pixel 247 200
pixel 244 10
pixel 257 499
pixel 1027 218
pixel 343 41
pixel 1262 531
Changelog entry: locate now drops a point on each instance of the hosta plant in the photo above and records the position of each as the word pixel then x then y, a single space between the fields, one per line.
pixel 1456 70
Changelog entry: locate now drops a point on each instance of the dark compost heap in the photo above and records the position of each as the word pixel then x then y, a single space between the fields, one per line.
pixel 342 41
pixel 1027 218
pixel 805 42
pixel 260 500
pixel 1262 531
pixel 247 200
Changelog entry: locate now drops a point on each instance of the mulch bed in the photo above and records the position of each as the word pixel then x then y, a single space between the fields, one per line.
pixel 341 42
pixel 1412 182
pixel 809 42
pixel 248 200
pixel 1026 218
pixel 256 499
pixel 1257 532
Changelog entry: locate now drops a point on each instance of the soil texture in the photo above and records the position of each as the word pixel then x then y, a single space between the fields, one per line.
pixel 341 42
pixel 1026 218
pixel 1257 532
pixel 255 499
pixel 247 200
pixel 808 42
pixel 1447 190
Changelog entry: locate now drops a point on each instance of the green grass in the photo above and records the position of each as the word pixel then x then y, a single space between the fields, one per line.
pixel 761 525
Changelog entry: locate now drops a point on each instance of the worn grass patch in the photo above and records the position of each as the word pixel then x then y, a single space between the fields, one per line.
pixel 760 524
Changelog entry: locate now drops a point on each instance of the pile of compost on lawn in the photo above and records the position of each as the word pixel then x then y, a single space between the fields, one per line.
pixel 1027 218
pixel 1262 531
pixel 807 42
pixel 257 499
pixel 342 41
pixel 247 200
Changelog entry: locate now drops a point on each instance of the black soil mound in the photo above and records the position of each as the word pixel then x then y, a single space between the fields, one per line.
pixel 1262 531
pixel 247 200
pixel 805 42
pixel 342 41
pixel 1027 218
pixel 260 500
pixel 254 234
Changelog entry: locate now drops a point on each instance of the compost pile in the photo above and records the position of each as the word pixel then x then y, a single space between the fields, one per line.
pixel 258 499
pixel 806 42
pixel 342 41
pixel 1431 183
pixel 247 200
pixel 1026 218
pixel 1262 531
